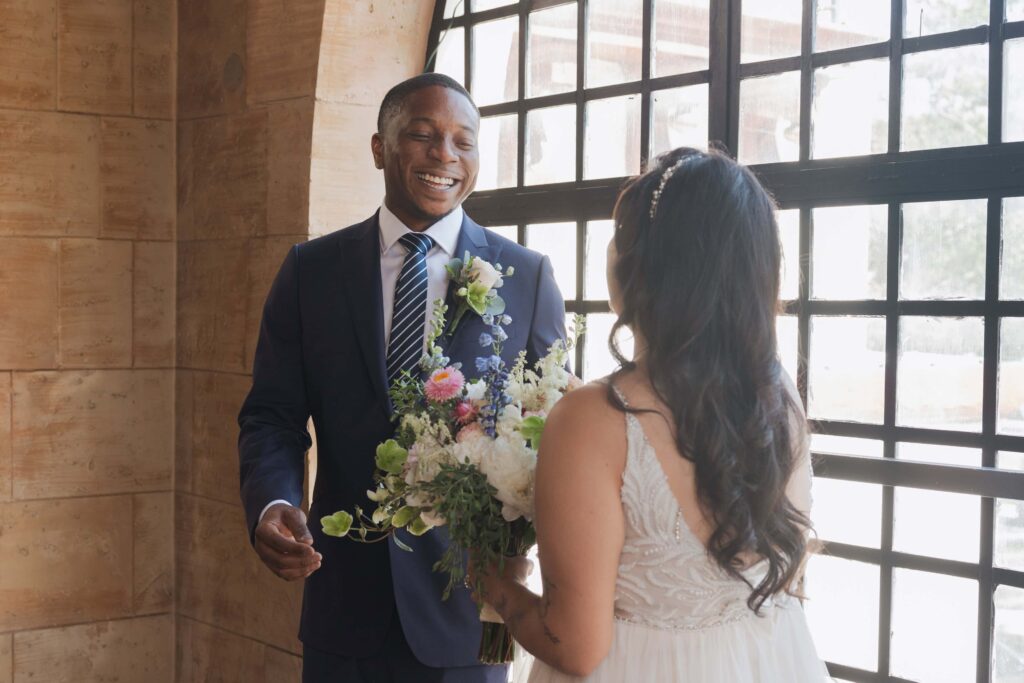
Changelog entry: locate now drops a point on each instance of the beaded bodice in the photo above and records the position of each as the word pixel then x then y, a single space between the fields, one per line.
pixel 666 578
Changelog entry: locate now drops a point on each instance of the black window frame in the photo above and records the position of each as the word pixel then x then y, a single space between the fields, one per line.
pixel 992 171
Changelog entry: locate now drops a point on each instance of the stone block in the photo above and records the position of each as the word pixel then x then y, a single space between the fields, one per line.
pixel 92 432
pixel 95 303
pixel 65 561
pixel 153 304
pixel 28 298
pixel 94 66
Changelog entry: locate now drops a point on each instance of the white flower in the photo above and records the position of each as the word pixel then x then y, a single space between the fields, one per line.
pixel 476 390
pixel 509 467
pixel 432 518
pixel 484 273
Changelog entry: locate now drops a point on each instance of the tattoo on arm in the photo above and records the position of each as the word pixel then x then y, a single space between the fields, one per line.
pixel 545 605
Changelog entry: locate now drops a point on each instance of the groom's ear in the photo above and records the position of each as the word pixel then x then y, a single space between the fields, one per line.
pixel 377 147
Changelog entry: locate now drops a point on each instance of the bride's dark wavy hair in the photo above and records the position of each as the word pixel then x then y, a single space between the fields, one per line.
pixel 700 283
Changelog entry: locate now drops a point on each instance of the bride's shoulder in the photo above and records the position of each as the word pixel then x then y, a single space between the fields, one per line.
pixel 587 414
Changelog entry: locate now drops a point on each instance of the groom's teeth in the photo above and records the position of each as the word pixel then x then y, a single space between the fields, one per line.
pixel 436 180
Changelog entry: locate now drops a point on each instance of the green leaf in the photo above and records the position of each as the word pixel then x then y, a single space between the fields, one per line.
pixel 454 268
pixel 391 457
pixel 496 305
pixel 399 543
pixel 532 428
pixel 404 516
pixel 417 527
pixel 336 525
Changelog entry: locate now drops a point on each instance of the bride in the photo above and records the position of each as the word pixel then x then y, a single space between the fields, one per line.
pixel 672 498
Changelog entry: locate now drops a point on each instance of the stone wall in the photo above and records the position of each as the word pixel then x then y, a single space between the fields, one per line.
pixel 268 155
pixel 157 159
pixel 87 226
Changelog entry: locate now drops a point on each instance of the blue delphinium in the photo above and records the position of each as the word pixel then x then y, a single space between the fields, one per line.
pixel 495 375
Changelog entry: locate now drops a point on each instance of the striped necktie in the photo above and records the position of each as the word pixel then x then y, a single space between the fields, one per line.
pixel 410 313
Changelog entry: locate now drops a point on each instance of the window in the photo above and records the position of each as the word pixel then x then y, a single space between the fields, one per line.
pixel 891 133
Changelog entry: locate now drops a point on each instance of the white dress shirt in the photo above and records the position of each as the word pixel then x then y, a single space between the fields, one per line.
pixel 445 234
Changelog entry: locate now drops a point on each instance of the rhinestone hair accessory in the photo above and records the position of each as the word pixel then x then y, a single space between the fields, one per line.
pixel 666 174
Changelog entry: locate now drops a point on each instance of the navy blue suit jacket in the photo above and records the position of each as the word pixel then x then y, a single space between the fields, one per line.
pixel 321 355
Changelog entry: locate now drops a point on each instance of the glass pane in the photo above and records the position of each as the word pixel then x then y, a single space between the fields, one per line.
pixel 1008 650
pixel 612 145
pixel 842 610
pixel 945 98
pixel 945 608
pixel 770 29
pixel 851 109
pixel 787 331
pixel 847 368
pixel 846 445
pixel 454 8
pixel 680 118
pixel 942 455
pixel 558 242
pixel 451 55
pixel 680 34
pixel 614 50
pixel 846 23
pixel 1013 89
pixel 944 250
pixel 599 234
pixel 925 17
pixel 939 373
pixel 849 248
pixel 496 68
pixel 552 51
pixel 551 145
pixel 498 145
pixel 1009 460
pixel 830 512
pixel 1009 541
pixel 1011 376
pixel 937 524
pixel 1011 274
pixel 483 5
pixel 597 359
pixel 1015 10
pixel 789 236
pixel 507 231
pixel 770 118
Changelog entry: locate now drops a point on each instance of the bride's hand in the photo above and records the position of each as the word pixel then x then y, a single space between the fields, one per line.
pixel 516 570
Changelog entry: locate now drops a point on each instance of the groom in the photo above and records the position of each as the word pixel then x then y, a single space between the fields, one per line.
pixel 346 313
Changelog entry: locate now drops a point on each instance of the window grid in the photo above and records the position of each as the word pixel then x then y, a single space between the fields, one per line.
pixel 992 171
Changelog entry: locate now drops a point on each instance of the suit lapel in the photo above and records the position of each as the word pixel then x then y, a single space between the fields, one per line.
pixel 360 275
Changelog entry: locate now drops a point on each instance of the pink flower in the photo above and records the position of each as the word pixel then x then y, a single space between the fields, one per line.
pixel 465 412
pixel 470 431
pixel 444 385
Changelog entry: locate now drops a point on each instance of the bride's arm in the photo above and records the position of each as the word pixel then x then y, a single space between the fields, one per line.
pixel 579 524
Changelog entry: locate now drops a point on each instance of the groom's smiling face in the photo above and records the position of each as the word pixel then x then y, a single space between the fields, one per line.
pixel 428 151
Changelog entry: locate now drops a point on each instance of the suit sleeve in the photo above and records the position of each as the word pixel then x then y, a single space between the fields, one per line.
pixel 273 439
pixel 548 324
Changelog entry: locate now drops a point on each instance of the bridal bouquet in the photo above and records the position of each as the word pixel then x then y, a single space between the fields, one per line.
pixel 465 452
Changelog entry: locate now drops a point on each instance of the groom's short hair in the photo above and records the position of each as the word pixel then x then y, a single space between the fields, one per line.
pixel 395 99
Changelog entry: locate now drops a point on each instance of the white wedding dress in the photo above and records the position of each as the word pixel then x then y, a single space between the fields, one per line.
pixel 679 618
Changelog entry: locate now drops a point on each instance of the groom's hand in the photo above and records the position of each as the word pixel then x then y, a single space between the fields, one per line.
pixel 284 543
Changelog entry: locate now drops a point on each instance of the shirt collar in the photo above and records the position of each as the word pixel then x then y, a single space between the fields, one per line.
pixel 445 232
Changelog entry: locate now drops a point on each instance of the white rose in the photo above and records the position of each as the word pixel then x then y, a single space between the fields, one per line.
pixel 509 468
pixel 483 272
pixel 475 390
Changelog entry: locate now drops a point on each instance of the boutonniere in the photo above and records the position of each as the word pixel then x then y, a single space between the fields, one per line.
pixel 476 283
